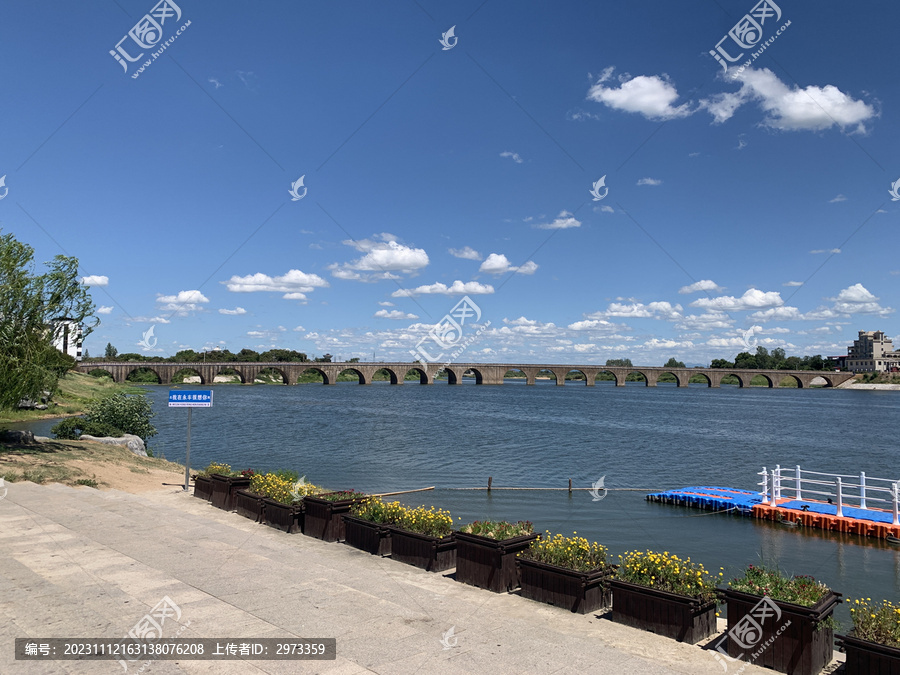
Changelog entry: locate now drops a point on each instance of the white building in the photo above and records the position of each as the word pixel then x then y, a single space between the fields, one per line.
pixel 872 352
pixel 67 337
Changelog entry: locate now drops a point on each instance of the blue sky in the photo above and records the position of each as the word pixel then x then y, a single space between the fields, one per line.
pixel 738 207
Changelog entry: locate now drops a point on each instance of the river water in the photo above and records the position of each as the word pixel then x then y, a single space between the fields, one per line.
pixel 382 438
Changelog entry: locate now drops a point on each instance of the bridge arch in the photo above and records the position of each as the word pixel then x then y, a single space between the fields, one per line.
pixel 578 372
pixel 179 375
pixel 545 374
pixel 770 381
pixel 423 376
pixel 668 378
pixel 828 381
pixel 517 375
pixel 606 375
pixel 643 377
pixel 318 371
pixel 145 369
pixel 230 372
pixel 479 376
pixel 276 370
pixel 359 374
pixel 789 378
pixel 743 380
pixel 704 376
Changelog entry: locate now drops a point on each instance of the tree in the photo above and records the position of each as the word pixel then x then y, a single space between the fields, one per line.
pixel 29 306
pixel 763 360
pixel 111 352
pixel 778 359
pixel 721 363
pixel 672 363
pixel 745 360
pixel 619 362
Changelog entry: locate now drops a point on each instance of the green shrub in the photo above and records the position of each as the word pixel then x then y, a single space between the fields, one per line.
pixel 131 414
pixel 90 482
pixel 73 427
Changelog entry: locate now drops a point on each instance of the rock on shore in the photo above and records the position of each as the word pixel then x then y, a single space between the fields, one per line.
pixel 130 441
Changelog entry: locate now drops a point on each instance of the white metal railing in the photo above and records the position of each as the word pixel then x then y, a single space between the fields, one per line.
pixel 834 487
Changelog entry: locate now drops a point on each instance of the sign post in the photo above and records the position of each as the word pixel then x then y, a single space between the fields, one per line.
pixel 183 398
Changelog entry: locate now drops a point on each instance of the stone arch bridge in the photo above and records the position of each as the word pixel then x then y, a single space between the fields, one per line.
pixel 483 373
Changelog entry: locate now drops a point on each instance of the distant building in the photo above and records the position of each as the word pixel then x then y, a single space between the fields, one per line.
pixel 67 337
pixel 872 352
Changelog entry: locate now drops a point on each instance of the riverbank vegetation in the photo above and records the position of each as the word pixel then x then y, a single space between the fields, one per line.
pixel 74 392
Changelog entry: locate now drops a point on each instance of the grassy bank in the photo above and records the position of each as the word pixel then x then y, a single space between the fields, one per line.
pixel 86 463
pixel 76 390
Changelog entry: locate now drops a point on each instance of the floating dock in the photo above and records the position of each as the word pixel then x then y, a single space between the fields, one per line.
pixel 867 522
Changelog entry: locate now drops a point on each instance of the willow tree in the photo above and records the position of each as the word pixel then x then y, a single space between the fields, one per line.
pixel 29 305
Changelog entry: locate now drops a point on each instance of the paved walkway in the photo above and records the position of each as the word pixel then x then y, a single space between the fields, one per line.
pixel 77 562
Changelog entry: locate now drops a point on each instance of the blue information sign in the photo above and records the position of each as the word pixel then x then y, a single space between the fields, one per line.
pixel 183 398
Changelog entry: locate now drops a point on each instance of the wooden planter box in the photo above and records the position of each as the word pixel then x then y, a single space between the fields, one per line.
pixel 579 592
pixel 868 658
pixel 489 563
pixel 434 554
pixel 799 649
pixel 676 616
pixel 250 505
pixel 203 487
pixel 224 489
pixel 285 517
pixel 322 518
pixel 374 538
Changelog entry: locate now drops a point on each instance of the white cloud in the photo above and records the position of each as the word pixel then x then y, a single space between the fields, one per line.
pixel 299 329
pixel 466 252
pixel 233 312
pixel 584 347
pixel 215 82
pixel 456 288
pixel 791 108
pixel 393 314
pixel 152 319
pixel 792 283
pixel 95 280
pixel 104 310
pixel 825 250
pixel 563 221
pixel 497 263
pixel 294 284
pixel 386 303
pixel 652 96
pixel 702 285
pixel 604 208
pixel 592 324
pixel 182 304
pixel 384 256
pixel 856 299
pixel 752 299
pixel 512 155
pixel 649 181
pixel 638 310
pixel 839 198
pixel 712 320
pixel 656 343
